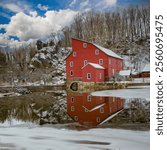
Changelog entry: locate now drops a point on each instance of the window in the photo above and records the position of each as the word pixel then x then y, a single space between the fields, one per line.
pixel 109 61
pixel 100 61
pixel 84 45
pixel 71 73
pixel 100 76
pixel 85 62
pixel 71 63
pixel 113 72
pixel 113 99
pixel 76 118
pixel 74 54
pixel 96 52
pixel 72 99
pixel 101 110
pixel 72 108
pixel 89 98
pixel 98 119
pixel 88 75
pixel 86 110
pixel 110 109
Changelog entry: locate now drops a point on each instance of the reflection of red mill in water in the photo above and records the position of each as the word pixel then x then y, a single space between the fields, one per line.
pixel 93 110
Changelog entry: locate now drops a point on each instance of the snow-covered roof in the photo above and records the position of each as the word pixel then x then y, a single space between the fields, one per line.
pixel 124 72
pixel 146 68
pixel 97 66
pixel 107 51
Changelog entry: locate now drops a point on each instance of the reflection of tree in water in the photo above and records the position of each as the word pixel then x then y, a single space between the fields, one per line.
pixel 33 107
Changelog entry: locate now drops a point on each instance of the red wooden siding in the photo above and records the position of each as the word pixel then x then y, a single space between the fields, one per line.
pixel 81 107
pixel 95 74
pixel 79 54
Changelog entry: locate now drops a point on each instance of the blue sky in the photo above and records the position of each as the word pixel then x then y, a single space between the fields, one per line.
pixel 23 20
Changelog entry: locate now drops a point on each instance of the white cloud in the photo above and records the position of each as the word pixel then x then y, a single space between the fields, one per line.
pixel 42 7
pixel 15 6
pixel 73 3
pixel 84 4
pixel 103 4
pixel 27 27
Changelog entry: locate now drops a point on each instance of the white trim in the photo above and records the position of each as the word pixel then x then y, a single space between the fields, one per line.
pixel 74 54
pixel 100 76
pixel 100 61
pixel 89 98
pixel 71 63
pixel 88 75
pixel 96 51
pixel 71 73
pixel 101 110
pixel 72 108
pixel 85 45
pixel 72 99
pixel 85 62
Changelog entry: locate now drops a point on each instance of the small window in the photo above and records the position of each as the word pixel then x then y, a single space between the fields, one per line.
pixel 100 61
pixel 101 110
pixel 96 52
pixel 89 97
pixel 71 63
pixel 98 119
pixel 86 110
pixel 88 75
pixel 76 118
pixel 84 45
pixel 72 108
pixel 74 54
pixel 85 62
pixel 113 99
pixel 72 99
pixel 109 61
pixel 113 72
pixel 71 73
pixel 110 109
pixel 100 75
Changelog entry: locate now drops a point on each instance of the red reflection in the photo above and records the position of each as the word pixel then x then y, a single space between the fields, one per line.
pixel 92 110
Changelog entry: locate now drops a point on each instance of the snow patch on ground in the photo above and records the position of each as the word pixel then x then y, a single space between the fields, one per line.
pixel 55 139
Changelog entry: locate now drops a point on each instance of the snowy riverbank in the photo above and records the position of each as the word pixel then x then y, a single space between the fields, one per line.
pixel 35 137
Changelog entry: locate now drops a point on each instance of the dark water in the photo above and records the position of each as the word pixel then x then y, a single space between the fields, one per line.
pixel 60 107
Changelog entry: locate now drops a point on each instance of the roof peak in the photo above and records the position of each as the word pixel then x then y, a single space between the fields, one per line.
pixel 105 50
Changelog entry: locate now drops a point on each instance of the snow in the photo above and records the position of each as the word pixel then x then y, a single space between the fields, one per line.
pixel 108 51
pixel 97 66
pixel 33 138
pixel 143 92
pixel 124 72
pixel 146 68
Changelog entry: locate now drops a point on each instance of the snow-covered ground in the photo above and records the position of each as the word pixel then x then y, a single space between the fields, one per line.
pixel 50 138
pixel 132 92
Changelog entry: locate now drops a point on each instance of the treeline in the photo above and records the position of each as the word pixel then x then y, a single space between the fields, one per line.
pixel 111 29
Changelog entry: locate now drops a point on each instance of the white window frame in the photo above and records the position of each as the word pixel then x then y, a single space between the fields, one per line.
pixel 71 63
pixel 110 109
pixel 88 75
pixel 97 52
pixel 100 75
pixel 98 119
pixel 71 73
pixel 113 72
pixel 74 54
pixel 85 45
pixel 101 110
pixel 72 108
pixel 89 98
pixel 100 61
pixel 85 62
pixel 86 110
pixel 72 99
pixel 76 118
